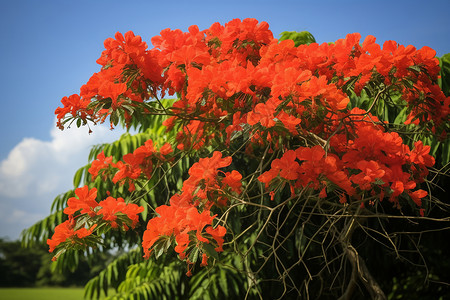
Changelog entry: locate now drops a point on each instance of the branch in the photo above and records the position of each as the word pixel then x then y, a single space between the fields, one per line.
pixel 360 269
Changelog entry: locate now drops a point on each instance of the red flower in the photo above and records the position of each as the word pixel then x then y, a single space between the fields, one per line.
pixel 420 155
pixel 417 196
pixel 110 207
pixel 206 169
pixel 65 231
pixel 268 176
pixel 166 149
pixel 264 113
pixel 287 165
pixel 204 260
pixel 180 221
pixel 289 121
pixel 233 180
pixel 217 233
pixel 112 90
pixel 371 171
pixel 313 154
pixel 85 202
pixel 100 163
pixel 127 171
pixel 144 152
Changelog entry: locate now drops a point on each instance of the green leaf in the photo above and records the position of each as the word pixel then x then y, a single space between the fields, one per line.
pixel 124 146
pixel 114 117
pixel 223 282
pixel 144 204
pixel 299 38
pixel 444 80
pixel 193 256
pixel 167 244
pixel 43 229
pixel 210 251
pixel 401 117
pixel 445 152
pixel 379 181
pixel 114 273
pixel 159 249
pixel 77 178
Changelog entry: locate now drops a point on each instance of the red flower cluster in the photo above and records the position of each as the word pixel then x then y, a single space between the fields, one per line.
pixel 369 159
pixel 111 208
pixel 114 212
pixel 205 187
pixel 236 80
pixel 188 218
pixel 141 161
pixel 110 86
pixel 240 70
pixel 107 209
pixel 65 231
pixel 187 225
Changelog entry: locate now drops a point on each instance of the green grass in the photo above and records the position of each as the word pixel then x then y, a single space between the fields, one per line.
pixel 41 293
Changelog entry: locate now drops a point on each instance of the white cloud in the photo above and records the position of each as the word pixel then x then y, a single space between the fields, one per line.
pixel 14 220
pixel 36 171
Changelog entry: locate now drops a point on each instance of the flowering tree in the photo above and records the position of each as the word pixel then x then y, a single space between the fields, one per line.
pixel 267 172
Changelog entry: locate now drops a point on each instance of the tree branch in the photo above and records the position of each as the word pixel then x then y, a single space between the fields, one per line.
pixel 359 268
pixel 363 274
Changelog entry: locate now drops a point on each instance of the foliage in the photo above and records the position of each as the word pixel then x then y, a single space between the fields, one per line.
pixel 282 169
pixel 18 266
pixel 299 38
pixel 29 267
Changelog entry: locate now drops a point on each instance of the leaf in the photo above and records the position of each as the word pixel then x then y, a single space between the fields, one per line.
pixel 223 282
pixel 445 158
pixel 77 178
pixel 167 244
pixel 210 251
pixel 193 256
pixel 114 117
pixel 114 273
pixel 59 203
pixel 124 145
pixel 42 230
pixel 144 204
pixel 401 117
pixel 299 38
pixel 444 80
pixel 379 182
pixel 158 248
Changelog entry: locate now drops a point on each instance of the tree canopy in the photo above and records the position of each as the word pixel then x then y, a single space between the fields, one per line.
pixel 263 168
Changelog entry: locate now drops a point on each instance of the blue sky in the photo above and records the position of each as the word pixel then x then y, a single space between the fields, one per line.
pixel 48 50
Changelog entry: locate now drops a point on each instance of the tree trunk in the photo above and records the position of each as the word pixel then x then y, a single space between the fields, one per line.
pixel 362 272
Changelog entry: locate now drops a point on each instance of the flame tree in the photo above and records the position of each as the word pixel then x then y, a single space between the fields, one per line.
pixel 262 169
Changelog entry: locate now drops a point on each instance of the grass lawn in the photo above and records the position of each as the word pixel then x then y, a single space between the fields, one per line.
pixel 41 293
